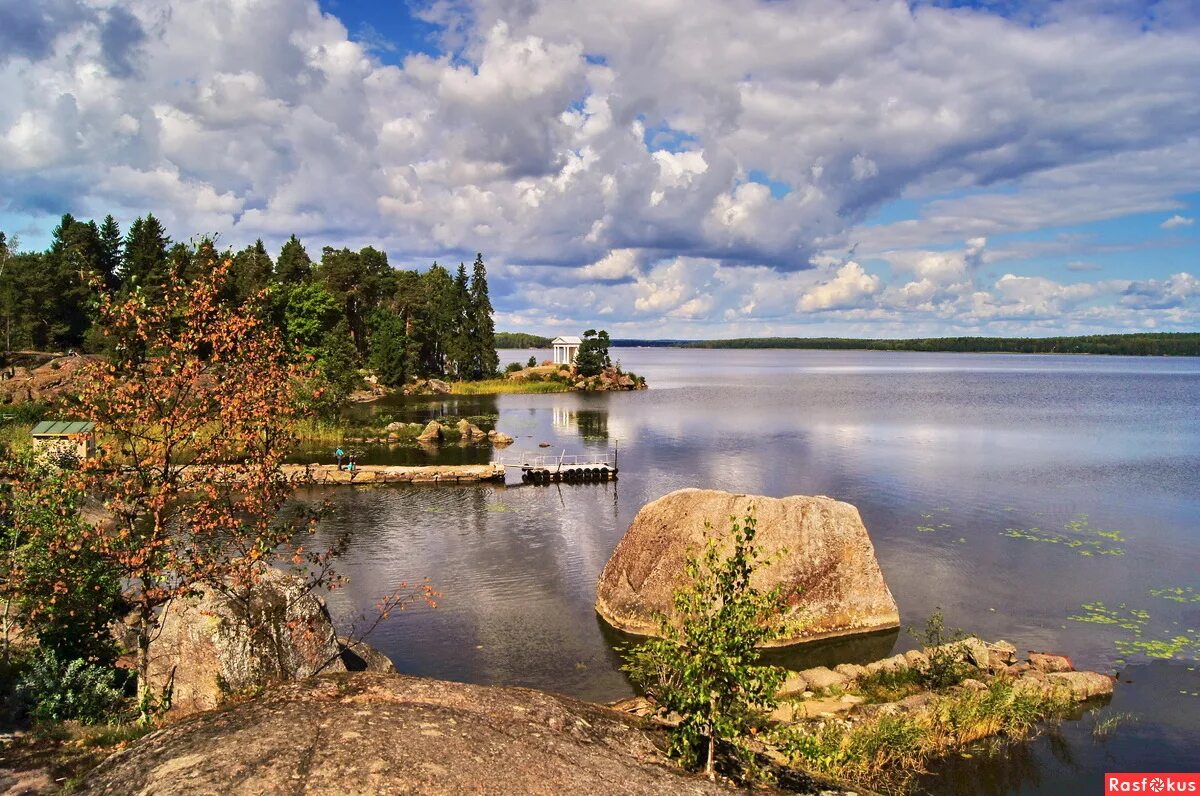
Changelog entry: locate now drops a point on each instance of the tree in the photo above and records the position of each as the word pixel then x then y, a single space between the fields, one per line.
pixel 434 322
pixel 144 265
pixel 592 357
pixel 358 280
pixel 484 360
pixel 389 346
pixel 337 364
pixel 8 291
pixel 73 259
pixel 460 348
pixel 309 313
pixel 52 582
pixel 111 246
pixel 250 272
pixel 705 667
pixel 294 265
pixel 195 407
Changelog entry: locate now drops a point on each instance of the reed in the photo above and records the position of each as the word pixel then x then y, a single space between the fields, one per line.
pixel 507 386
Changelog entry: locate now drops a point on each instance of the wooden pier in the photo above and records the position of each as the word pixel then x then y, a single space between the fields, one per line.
pixel 393 474
pixel 545 469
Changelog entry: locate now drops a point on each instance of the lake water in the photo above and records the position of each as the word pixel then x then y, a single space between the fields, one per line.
pixel 1012 491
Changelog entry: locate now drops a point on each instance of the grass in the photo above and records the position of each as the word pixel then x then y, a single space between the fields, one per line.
pixel 507 386
pixel 316 429
pixel 889 686
pixel 886 751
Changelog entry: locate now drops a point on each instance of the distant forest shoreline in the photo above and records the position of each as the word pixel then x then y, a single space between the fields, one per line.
pixel 1179 344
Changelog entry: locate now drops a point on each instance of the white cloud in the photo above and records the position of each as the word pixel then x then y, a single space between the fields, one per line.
pixel 850 287
pixel 527 140
pixel 1177 221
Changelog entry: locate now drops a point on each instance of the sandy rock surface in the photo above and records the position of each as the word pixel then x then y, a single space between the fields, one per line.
pixel 374 734
pixel 826 562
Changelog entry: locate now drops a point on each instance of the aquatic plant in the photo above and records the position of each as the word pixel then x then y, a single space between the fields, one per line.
pixel 1170 644
pixel 1179 594
pixel 1104 727
pixel 1077 534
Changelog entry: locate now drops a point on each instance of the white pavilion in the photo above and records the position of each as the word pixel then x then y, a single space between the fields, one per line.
pixel 565 350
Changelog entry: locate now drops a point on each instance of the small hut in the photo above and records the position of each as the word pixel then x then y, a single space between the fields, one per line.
pixel 565 350
pixel 76 436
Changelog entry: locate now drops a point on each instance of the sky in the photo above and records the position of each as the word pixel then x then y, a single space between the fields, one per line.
pixel 660 168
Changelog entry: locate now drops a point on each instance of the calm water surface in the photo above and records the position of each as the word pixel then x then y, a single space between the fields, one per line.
pixel 991 486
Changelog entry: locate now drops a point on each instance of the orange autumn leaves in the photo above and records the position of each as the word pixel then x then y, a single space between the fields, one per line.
pixel 195 408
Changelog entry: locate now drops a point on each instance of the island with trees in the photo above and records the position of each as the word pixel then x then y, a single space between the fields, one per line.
pixel 1182 344
pixel 367 329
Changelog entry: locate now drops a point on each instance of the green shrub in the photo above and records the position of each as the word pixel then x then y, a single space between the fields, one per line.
pixel 532 363
pixel 947 659
pixel 512 367
pixel 74 690
pixel 706 665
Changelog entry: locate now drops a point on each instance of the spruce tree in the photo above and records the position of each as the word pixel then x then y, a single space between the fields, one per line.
pixel 145 261
pixel 485 361
pixel 110 252
pixel 73 259
pixel 460 347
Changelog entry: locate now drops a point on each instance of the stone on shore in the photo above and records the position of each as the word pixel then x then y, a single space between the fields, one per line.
pixel 211 645
pixel 359 656
pixel 825 562
pixel 1048 662
pixel 1082 685
pixel 372 733
pixel 821 677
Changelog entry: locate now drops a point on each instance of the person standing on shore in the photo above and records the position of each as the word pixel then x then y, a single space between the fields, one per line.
pixel 339 453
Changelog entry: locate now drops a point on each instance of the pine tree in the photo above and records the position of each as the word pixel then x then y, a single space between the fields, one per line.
pixel 593 353
pixel 459 347
pixel 73 259
pixel 145 262
pixel 485 361
pixel 110 252
pixel 294 265
pixel 250 272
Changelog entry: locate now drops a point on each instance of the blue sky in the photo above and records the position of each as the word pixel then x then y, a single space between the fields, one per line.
pixel 666 168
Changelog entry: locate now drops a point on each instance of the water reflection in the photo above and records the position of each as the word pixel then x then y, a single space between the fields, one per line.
pixel 940 453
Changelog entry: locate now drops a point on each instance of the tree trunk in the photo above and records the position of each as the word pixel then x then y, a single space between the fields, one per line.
pixel 145 698
pixel 709 770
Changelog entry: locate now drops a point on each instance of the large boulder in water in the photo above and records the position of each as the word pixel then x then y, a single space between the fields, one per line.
pixel 824 560
pixel 212 645
pixel 389 734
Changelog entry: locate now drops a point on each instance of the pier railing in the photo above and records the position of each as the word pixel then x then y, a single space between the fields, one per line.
pixel 554 462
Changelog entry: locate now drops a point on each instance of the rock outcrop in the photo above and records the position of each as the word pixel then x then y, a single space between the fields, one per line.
pixel 825 562
pixel 469 431
pixel 212 645
pixel 370 733
pixel 432 432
